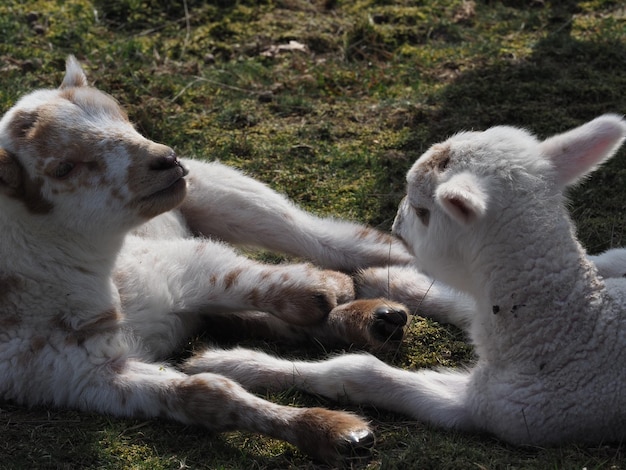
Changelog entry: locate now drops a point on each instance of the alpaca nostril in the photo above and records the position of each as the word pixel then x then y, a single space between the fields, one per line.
pixel 165 163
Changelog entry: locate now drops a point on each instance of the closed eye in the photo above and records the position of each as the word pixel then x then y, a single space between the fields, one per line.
pixel 423 214
pixel 63 170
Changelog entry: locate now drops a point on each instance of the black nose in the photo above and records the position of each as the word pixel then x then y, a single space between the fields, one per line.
pixel 165 163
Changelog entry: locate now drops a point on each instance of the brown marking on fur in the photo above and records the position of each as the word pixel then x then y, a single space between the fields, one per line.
pixel 212 279
pixel 33 198
pixel 363 233
pixel 109 319
pixel 58 322
pixel 357 322
pixel 121 279
pixel 50 143
pixel 352 320
pixel 10 171
pixel 206 402
pixel 19 185
pixel 94 102
pixel 300 305
pixel 381 237
pixel 439 157
pixel 254 297
pixel 107 322
pixel 371 233
pixel 231 278
pixel 22 123
pixel 35 346
pixel 9 321
pixel 117 365
pixel 37 343
pixel 69 145
pixel 160 201
pixel 327 433
pixel 155 185
pixel 378 236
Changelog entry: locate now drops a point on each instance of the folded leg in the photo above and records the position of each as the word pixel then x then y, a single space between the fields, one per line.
pixel 224 203
pixel 165 284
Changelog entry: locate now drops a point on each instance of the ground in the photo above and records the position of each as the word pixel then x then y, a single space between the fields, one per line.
pixel 328 101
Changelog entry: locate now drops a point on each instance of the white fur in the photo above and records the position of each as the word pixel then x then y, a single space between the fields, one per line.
pixel 111 257
pixel 485 215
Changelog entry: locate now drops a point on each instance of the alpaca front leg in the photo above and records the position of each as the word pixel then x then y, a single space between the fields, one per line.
pixel 219 404
pixel 201 276
pixel 437 397
pixel 223 203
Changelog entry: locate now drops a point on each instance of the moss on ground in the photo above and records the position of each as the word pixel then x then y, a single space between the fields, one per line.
pixel 334 122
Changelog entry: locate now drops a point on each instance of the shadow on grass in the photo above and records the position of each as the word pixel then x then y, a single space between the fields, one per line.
pixel 562 84
pixel 39 438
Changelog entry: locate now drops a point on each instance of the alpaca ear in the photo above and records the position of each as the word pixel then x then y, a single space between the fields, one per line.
pixel 74 74
pixel 463 198
pixel 10 173
pixel 578 152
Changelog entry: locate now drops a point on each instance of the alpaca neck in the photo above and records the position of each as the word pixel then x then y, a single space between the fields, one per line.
pixel 58 275
pixel 546 286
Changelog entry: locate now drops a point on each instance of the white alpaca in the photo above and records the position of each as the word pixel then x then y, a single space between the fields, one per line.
pixel 485 214
pixel 87 308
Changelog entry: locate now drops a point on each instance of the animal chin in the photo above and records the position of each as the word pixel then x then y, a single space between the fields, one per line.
pixel 406 244
pixel 164 199
pixel 177 185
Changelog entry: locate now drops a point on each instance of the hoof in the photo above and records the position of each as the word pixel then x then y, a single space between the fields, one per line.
pixel 358 444
pixel 334 437
pixel 389 322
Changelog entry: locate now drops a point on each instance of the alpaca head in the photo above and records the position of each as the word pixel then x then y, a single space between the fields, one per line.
pixel 475 187
pixel 72 157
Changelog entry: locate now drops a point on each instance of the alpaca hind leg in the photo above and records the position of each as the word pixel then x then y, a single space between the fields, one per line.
pixel 222 202
pixel 436 397
pixel 219 404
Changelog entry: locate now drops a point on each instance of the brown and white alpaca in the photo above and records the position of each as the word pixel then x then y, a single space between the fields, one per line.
pixel 111 255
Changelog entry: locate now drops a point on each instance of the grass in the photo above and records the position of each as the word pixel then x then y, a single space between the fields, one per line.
pixel 335 127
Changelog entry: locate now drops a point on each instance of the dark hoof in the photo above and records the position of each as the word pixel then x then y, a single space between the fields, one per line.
pixel 388 323
pixel 394 316
pixel 358 444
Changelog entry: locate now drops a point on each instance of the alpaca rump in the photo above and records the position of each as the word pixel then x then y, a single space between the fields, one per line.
pixel 485 216
pixel 114 251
